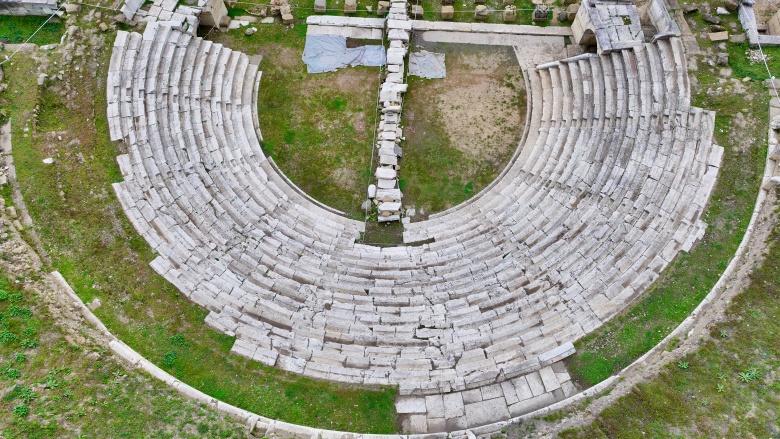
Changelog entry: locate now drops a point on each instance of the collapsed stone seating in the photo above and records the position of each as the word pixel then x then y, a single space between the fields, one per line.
pixel 608 187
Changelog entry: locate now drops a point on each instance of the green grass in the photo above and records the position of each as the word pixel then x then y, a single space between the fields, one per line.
pixel 319 128
pixel 16 30
pixel 437 172
pixel 60 388
pixel 730 388
pixel 686 281
pixel 92 244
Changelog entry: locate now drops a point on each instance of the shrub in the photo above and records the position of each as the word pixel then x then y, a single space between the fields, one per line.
pixel 21 410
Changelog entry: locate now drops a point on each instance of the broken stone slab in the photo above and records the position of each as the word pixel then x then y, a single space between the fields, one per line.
pixel 510 13
pixel 398 34
pixel 382 8
pixel 395 55
pixel 718 36
pixel 288 19
pixel 481 12
pixel 385 173
pixel 386 219
pixel 391 207
pixel 556 354
pixel 385 184
pixel 395 78
pixel 388 160
pixel 389 195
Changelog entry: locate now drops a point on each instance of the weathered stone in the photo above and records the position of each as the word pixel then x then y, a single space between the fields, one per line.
pixel 366 206
pixel 711 19
pixel 732 5
pixel 371 191
pixel 385 173
pixel 250 31
pixel 320 6
pixel 382 183
pixel 775 123
pixel 510 13
pixel 718 36
pixel 288 19
pixel 481 12
pixel 71 8
pixel 350 6
pixel 267 20
pixel 391 207
pixel 48 161
pixel 486 412
pixel 382 8
pixel 571 11
pixel 739 38
pixel 690 9
pixel 447 12
pixel 722 59
pixel 42 79
pixel 417 12
pixel 721 11
pixel 717 28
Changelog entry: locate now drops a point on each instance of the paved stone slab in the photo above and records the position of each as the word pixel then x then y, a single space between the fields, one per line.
pixel 486 412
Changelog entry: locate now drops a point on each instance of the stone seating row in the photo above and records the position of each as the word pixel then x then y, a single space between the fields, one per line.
pixel 594 211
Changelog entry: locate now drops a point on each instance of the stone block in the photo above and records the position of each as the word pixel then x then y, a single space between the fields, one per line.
pixel 487 412
pixel 718 36
pixel 382 8
pixel 481 12
pixel 320 6
pixel 410 404
pixel 350 6
pixel 288 19
pixel 510 14
pixel 453 405
pixel 417 12
pixel 447 12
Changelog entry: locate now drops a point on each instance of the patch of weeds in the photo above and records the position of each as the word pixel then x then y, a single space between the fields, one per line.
pixel 21 410
pixel 169 359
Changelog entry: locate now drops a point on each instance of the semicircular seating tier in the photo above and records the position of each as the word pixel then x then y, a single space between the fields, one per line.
pixel 608 186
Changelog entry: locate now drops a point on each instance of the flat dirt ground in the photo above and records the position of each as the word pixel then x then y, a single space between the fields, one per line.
pixel 461 131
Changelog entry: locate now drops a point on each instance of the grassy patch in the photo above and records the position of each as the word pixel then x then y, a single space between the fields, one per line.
pixel 740 127
pixel 52 387
pixel 15 30
pixel 460 131
pixel 318 128
pixel 93 245
pixel 730 387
